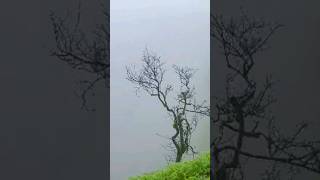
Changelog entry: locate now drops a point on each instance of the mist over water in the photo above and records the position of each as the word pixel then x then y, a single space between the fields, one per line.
pixel 178 31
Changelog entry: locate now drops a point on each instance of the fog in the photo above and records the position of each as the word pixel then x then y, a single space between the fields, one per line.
pixel 178 31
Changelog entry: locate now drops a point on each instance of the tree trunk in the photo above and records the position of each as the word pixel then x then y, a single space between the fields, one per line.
pixel 179 156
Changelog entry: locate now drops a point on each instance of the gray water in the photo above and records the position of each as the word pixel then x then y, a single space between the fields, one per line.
pixel 178 31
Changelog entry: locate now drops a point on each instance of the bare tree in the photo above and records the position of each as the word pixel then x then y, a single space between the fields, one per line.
pixel 151 79
pixel 242 114
pixel 87 52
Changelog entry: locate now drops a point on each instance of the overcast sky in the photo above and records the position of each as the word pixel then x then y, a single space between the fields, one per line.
pixel 176 30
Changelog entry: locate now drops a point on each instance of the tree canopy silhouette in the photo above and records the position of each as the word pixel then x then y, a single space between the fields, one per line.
pixel 82 50
pixel 151 79
pixel 242 114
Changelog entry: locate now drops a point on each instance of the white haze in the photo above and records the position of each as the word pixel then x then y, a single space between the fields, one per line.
pixel 178 31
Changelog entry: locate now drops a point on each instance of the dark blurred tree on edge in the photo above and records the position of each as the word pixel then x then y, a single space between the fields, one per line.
pixel 242 114
pixel 82 50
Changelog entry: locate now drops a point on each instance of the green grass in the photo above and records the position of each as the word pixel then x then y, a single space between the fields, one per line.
pixel 197 169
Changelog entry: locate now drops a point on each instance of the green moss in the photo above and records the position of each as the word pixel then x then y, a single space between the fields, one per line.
pixel 197 169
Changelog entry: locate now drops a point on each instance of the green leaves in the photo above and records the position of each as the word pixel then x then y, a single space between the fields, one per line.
pixel 198 169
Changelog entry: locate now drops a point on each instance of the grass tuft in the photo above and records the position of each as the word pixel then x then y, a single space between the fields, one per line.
pixel 197 169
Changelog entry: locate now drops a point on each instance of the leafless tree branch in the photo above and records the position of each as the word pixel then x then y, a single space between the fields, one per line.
pixel 87 52
pixel 242 114
pixel 151 79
